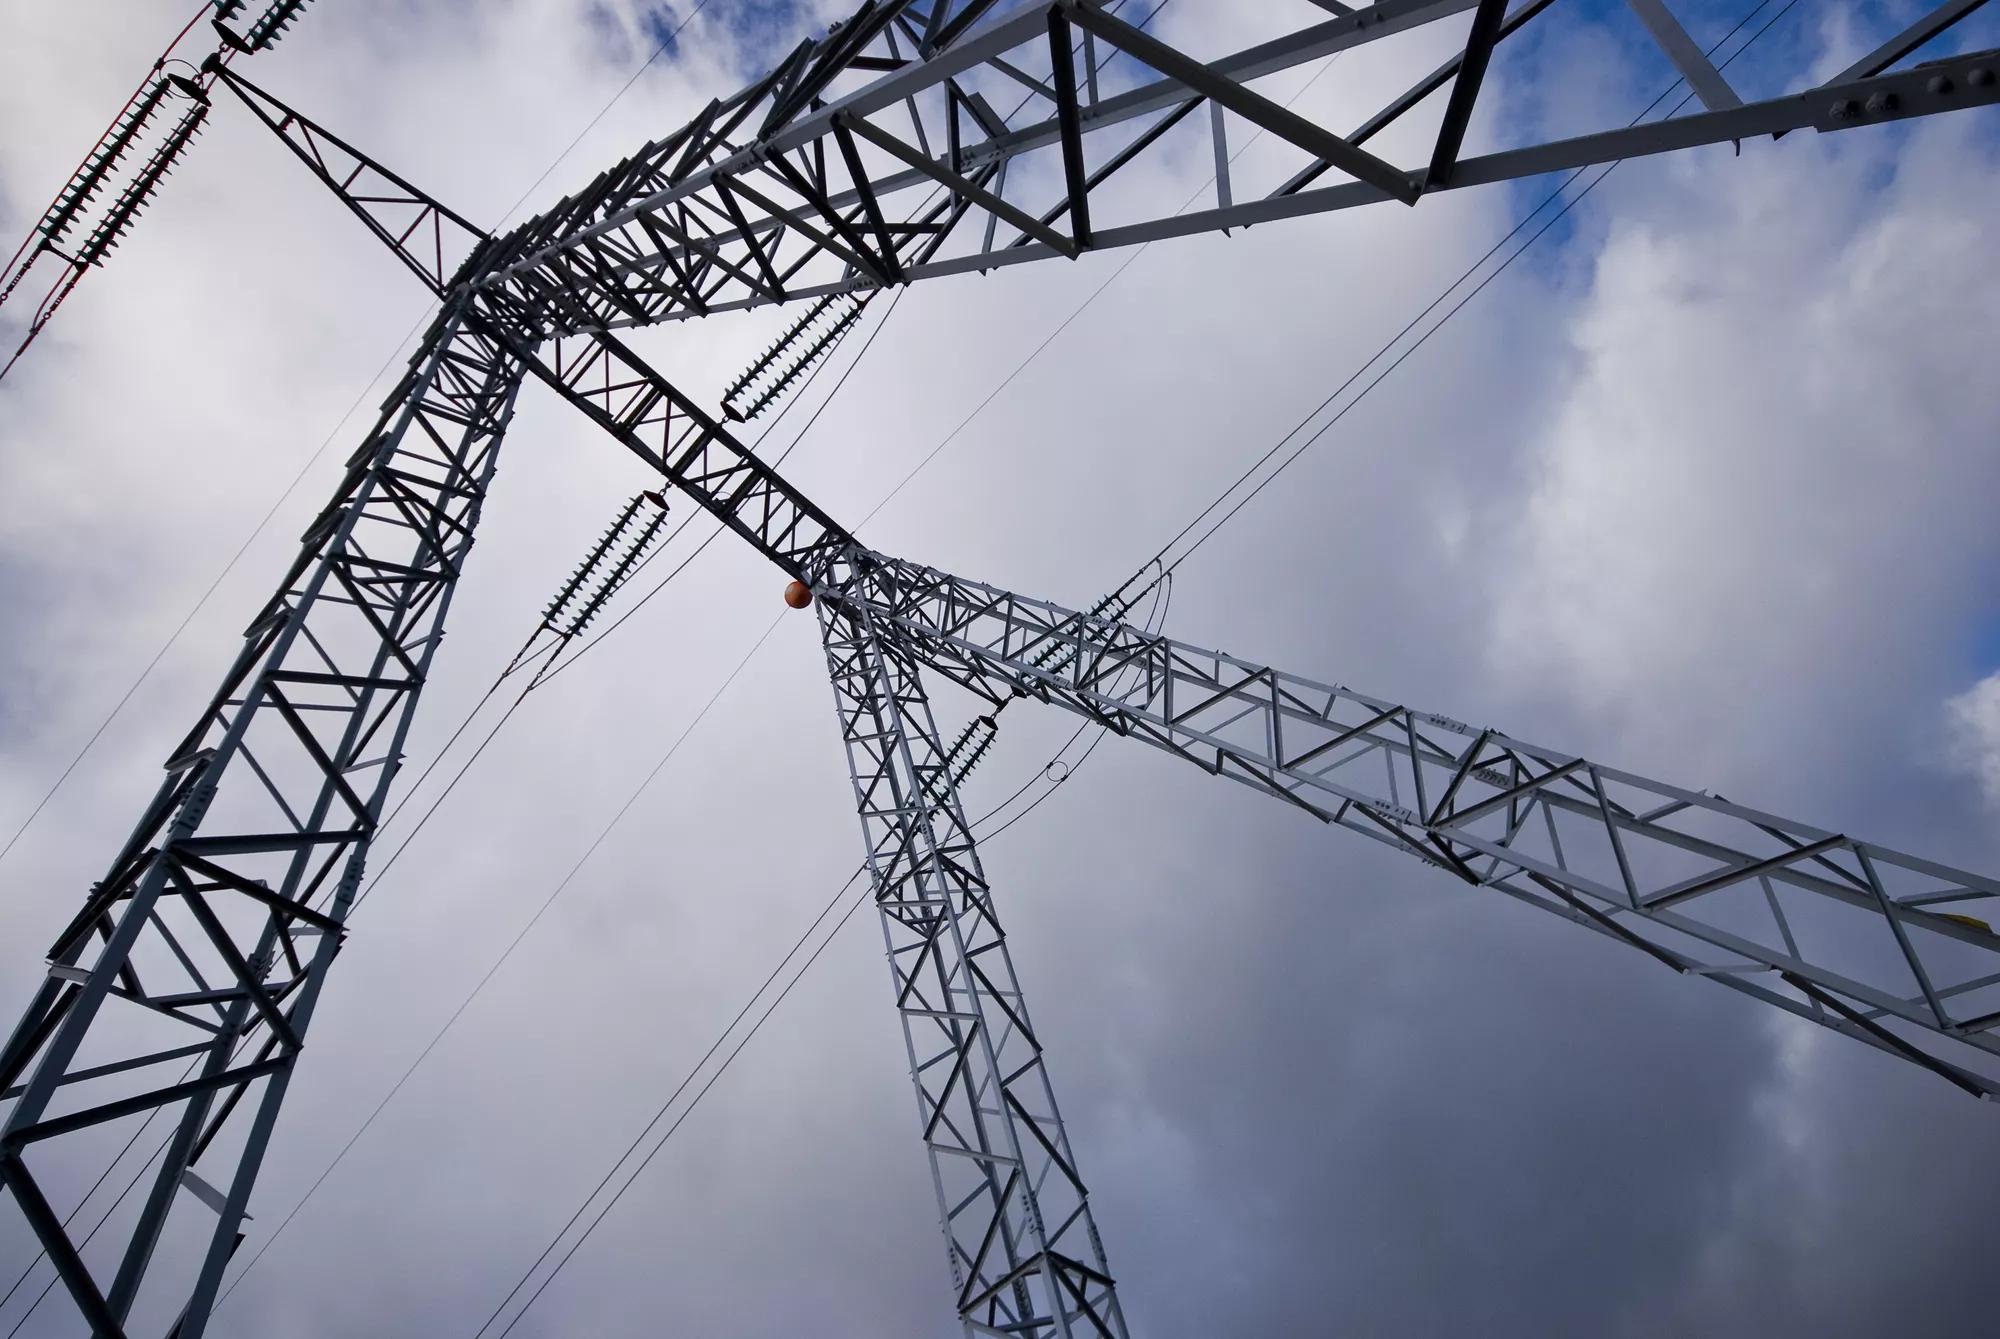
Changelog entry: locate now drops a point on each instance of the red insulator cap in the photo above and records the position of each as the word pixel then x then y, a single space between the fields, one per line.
pixel 798 595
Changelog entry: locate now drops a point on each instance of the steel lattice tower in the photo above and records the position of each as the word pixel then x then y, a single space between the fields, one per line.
pixel 872 157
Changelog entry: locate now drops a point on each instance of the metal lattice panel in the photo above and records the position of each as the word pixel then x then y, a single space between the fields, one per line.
pixel 874 156
pixel 877 155
pixel 1880 945
pixel 1025 1255
pixel 195 963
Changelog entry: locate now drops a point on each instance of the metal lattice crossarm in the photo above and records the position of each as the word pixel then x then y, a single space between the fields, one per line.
pixel 597 373
pixel 808 181
pixel 1887 947
pixel 429 237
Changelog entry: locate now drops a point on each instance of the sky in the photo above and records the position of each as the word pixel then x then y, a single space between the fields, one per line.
pixel 1697 488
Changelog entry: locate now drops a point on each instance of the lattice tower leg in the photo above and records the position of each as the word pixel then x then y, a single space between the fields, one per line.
pixel 218 919
pixel 1025 1254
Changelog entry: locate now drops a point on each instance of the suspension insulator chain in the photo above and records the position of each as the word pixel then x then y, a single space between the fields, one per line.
pixel 265 31
pixel 1057 656
pixel 129 204
pixel 627 540
pixel 965 752
pixel 779 366
pixel 89 179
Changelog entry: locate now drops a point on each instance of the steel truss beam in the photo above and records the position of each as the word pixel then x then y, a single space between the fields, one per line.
pixel 1886 947
pixel 791 188
pixel 217 920
pixel 195 964
pixel 1025 1255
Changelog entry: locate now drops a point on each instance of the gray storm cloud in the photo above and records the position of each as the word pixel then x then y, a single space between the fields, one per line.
pixel 1698 487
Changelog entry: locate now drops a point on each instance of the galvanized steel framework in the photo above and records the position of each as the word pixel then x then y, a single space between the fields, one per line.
pixel 870 157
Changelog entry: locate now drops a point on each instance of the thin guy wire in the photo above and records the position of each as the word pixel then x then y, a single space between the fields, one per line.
pixel 297 479
pixel 660 1115
pixel 1154 617
pixel 1203 538
pixel 1447 292
pixel 207 594
pixel 220 577
pixel 720 1070
pixel 515 944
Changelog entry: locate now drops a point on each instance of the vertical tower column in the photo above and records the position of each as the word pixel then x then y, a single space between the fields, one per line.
pixel 1025 1254
pixel 185 985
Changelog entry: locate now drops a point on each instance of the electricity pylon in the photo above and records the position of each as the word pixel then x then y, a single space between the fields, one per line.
pixel 216 922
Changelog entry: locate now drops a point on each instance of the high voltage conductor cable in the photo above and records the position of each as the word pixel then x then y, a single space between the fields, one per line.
pixel 514 944
pixel 680 1088
pixel 1155 616
pixel 209 593
pixel 1449 289
pixel 223 575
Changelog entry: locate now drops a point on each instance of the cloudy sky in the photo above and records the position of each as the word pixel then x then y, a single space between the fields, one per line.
pixel 1698 487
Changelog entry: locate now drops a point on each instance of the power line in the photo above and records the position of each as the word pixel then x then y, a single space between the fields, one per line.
pixel 640 1138
pixel 220 577
pixel 1440 298
pixel 1155 617
pixel 290 488
pixel 508 952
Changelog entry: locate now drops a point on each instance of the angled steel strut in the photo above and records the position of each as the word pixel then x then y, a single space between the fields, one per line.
pixel 180 995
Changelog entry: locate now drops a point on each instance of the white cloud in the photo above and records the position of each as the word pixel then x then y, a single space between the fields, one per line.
pixel 1972 722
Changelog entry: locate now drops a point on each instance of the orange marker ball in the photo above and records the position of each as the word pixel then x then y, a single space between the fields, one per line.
pixel 798 595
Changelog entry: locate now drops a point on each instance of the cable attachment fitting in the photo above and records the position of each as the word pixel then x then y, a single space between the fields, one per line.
pixel 608 565
pixel 809 339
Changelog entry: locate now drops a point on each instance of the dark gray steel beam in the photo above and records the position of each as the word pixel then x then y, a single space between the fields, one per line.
pixel 900 117
pixel 1486 30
